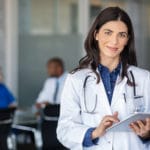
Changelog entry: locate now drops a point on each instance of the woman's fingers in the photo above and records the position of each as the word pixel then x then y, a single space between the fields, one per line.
pixel 148 124
pixel 141 124
pixel 141 128
pixel 109 120
pixel 106 122
pixel 115 114
pixel 134 126
pixel 113 118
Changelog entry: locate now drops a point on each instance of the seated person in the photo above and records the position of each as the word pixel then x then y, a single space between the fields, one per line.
pixel 6 97
pixel 7 100
pixel 50 94
pixel 52 88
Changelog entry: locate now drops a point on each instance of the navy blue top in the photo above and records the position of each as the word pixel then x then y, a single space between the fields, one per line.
pixel 109 80
pixel 6 97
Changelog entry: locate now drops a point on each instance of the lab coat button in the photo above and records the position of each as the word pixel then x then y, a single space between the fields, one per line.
pixel 109 92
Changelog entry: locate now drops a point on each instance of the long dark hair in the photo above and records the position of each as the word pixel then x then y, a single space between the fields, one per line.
pixel 92 57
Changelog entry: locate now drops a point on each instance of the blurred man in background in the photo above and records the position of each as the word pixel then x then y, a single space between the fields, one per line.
pixel 50 94
pixel 48 103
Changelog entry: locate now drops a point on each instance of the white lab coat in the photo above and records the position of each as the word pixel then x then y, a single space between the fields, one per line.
pixel 74 120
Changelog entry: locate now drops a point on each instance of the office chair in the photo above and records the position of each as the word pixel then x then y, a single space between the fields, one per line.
pixel 25 126
pixel 49 121
pixel 6 120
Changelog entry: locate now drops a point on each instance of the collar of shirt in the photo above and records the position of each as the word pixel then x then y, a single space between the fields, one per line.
pixel 102 69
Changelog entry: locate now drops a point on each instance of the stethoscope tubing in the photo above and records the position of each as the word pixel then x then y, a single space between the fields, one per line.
pixel 94 108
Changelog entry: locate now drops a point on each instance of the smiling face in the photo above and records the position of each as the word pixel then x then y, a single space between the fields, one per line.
pixel 112 37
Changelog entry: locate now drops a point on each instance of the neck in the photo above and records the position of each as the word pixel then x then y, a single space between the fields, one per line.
pixel 111 64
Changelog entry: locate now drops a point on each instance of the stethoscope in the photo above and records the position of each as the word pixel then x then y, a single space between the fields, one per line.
pixel 92 111
pixel 135 96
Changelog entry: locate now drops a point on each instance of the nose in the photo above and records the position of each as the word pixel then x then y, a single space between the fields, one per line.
pixel 114 39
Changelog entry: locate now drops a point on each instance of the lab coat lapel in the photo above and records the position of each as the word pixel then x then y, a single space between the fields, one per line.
pixel 119 89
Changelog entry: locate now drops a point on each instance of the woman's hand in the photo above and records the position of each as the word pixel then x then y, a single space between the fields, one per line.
pixel 106 122
pixel 141 128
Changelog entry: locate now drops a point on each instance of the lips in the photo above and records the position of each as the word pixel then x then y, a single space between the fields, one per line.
pixel 112 48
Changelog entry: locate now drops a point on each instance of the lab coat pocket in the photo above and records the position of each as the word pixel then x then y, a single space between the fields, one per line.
pixel 129 105
pixel 135 104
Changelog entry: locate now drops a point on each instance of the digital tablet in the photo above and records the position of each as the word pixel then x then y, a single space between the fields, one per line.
pixel 123 126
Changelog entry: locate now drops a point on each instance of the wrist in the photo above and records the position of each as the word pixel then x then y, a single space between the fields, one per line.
pixel 145 137
pixel 96 133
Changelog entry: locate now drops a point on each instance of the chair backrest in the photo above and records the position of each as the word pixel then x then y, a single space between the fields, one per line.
pixel 51 110
pixel 6 119
pixel 7 113
pixel 48 126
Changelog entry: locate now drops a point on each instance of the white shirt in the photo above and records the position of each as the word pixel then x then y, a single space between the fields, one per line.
pixel 48 91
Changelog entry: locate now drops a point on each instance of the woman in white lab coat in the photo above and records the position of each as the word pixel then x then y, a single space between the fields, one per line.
pixel 106 88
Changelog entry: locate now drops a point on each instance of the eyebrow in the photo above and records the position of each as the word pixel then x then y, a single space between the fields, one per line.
pixel 108 30
pixel 112 31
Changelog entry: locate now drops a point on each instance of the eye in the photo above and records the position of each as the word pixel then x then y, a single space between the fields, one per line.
pixel 123 35
pixel 107 32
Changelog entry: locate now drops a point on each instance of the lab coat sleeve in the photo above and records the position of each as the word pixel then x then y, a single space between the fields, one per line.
pixel 71 130
pixel 147 101
pixel 147 92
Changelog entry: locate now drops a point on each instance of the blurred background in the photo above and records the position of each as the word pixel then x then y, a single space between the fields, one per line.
pixel 32 31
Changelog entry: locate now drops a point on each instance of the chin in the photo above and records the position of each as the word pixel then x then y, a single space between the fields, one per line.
pixel 113 56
